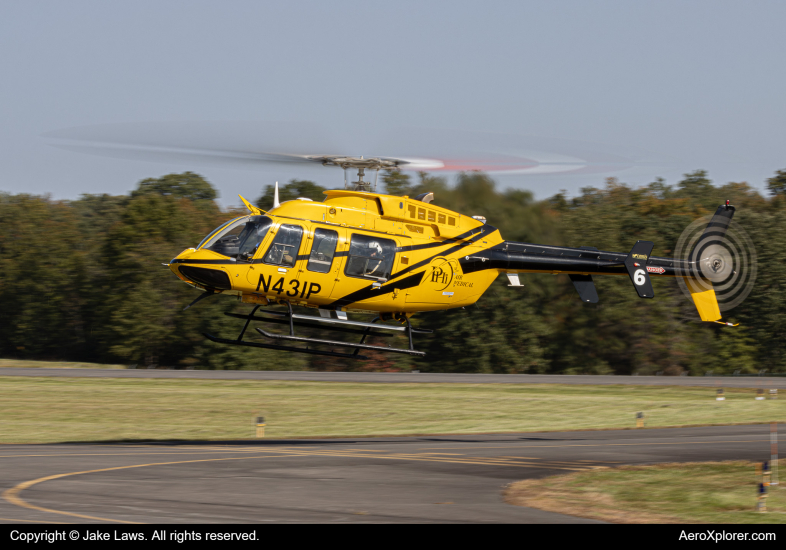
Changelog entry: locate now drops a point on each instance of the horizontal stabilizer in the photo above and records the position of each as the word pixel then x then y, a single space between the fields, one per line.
pixel 636 264
pixel 585 287
pixel 514 279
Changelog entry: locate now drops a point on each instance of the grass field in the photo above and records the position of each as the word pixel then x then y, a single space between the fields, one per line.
pixel 24 364
pixel 38 410
pixel 713 492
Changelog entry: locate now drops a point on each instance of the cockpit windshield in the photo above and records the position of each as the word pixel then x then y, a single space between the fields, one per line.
pixel 239 238
pixel 217 230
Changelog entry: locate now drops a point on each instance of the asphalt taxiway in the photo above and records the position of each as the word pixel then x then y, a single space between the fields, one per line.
pixel 402 479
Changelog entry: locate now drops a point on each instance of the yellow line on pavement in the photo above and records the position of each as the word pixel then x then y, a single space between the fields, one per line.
pixel 12 495
pixel 602 461
pixel 447 454
pixel 596 445
pixel 427 458
pixel 558 465
pixel 112 454
pixel 423 458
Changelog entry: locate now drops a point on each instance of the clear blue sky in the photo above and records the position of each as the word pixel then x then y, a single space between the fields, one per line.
pixel 699 83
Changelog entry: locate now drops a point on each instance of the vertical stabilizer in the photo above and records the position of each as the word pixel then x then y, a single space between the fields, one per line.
pixel 705 300
pixel 636 264
pixel 701 256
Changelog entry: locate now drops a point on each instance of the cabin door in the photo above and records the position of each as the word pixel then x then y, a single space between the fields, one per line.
pixel 318 265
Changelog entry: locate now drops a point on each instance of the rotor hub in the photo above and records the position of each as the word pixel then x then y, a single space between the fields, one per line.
pixel 361 165
pixel 718 262
pixel 359 162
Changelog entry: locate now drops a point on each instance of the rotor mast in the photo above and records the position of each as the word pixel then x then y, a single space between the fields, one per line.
pixel 361 164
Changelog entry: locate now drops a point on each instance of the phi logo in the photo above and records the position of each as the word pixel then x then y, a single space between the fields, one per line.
pixel 441 275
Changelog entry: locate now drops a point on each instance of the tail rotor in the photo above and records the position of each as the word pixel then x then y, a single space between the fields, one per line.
pixel 717 257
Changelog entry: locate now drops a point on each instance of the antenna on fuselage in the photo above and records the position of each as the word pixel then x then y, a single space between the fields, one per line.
pixel 276 204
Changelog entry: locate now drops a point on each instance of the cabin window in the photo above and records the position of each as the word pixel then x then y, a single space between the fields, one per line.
pixel 322 251
pixel 370 257
pixel 283 250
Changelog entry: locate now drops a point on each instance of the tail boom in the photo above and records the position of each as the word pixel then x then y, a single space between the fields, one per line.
pixel 584 262
pixel 512 257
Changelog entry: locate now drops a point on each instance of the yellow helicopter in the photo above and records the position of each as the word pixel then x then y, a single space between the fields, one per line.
pixel 365 252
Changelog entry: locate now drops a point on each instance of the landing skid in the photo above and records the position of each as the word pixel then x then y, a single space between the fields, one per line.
pixel 341 325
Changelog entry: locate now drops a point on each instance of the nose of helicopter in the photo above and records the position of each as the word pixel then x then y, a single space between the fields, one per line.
pixel 175 263
pixel 189 268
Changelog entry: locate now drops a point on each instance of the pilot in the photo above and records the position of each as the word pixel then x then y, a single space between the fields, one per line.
pixel 276 254
pixel 377 259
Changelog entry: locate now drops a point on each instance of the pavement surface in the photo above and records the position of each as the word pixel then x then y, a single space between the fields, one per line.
pixel 405 479
pixel 404 377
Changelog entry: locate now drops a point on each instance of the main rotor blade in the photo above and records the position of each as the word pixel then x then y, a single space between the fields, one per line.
pixel 242 144
pixel 249 144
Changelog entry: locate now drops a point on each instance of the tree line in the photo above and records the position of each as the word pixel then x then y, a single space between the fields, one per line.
pixel 82 280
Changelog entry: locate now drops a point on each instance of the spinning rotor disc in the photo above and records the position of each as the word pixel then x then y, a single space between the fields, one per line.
pixel 249 144
pixel 723 263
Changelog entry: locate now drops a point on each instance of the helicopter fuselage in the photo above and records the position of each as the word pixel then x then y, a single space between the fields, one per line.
pixel 367 252
pixel 355 251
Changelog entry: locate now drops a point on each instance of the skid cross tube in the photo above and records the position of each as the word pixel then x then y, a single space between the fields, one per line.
pixel 248 320
pixel 366 333
pixel 291 320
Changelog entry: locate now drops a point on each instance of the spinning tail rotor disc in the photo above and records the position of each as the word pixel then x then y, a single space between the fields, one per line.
pixel 723 263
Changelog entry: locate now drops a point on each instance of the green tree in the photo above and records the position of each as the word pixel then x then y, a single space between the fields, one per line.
pixel 695 183
pixel 187 185
pixel 82 280
pixel 502 333
pixel 43 259
pixel 777 183
pixel 397 183
pixel 291 191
